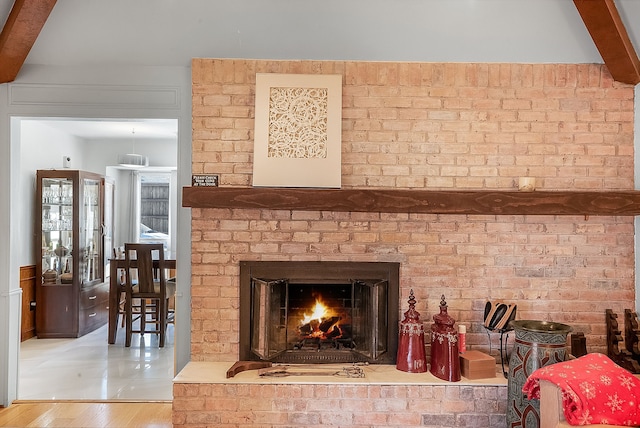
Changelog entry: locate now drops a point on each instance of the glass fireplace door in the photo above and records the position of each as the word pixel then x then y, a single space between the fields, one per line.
pixel 269 314
pixel 369 317
pixel 319 322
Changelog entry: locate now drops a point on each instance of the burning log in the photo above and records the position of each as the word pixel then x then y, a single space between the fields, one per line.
pixel 327 329
pixel 328 324
pixel 308 328
pixel 334 333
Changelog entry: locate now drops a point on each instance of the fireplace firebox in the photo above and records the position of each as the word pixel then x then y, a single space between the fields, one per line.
pixel 319 312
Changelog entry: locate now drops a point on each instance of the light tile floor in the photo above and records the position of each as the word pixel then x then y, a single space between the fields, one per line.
pixel 88 368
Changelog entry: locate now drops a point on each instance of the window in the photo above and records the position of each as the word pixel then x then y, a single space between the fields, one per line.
pixel 155 208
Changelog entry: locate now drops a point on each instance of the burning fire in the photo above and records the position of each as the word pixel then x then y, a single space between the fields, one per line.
pixel 321 323
pixel 320 311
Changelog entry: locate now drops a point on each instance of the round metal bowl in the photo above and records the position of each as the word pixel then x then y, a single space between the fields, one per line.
pixel 541 326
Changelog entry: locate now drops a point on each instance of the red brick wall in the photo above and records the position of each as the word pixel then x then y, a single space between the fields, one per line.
pixel 431 126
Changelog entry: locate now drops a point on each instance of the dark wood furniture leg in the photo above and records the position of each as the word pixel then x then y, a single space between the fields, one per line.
pixel 632 334
pixel 578 344
pixel 114 294
pixel 621 357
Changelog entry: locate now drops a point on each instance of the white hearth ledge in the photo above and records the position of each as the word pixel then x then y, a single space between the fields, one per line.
pixel 216 372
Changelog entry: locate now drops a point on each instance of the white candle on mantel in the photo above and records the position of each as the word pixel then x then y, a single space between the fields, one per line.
pixel 527 184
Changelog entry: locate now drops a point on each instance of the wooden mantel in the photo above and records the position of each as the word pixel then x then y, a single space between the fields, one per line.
pixel 416 201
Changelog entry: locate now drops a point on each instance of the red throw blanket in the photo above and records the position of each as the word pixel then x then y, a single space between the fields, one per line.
pixel 595 390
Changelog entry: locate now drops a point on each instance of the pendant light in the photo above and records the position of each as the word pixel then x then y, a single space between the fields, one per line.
pixel 133 160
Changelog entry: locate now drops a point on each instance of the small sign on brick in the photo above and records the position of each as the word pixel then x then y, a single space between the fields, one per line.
pixel 204 180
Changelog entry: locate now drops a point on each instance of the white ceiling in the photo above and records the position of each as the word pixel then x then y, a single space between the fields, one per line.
pixel 96 129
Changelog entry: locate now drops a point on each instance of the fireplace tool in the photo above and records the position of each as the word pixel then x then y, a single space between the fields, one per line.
pixel 353 371
pixel 497 318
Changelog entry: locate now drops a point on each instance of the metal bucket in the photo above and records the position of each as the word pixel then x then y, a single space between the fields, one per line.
pixel 537 344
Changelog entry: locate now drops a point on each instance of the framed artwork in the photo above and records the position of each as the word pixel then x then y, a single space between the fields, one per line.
pixel 298 128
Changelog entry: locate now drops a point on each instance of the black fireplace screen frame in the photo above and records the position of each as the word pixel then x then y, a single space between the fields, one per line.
pixel 379 279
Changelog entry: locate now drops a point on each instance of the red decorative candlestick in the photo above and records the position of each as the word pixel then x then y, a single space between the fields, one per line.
pixel 411 354
pixel 445 355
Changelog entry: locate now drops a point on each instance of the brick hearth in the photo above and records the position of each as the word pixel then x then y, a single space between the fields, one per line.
pixel 203 396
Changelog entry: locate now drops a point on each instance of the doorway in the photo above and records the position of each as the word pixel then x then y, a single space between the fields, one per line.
pixel 94 145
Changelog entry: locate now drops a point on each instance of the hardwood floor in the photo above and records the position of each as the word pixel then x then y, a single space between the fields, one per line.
pixel 71 414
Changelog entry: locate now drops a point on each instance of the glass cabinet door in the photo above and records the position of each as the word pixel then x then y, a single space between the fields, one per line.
pixel 107 225
pixel 57 231
pixel 90 232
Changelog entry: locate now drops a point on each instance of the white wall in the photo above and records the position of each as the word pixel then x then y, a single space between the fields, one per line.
pixel 172 32
pixel 41 147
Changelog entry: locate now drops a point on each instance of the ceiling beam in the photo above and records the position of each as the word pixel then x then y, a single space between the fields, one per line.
pixel 610 37
pixel 19 33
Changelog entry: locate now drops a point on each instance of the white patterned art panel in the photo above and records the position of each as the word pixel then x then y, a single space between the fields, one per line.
pixel 298 123
pixel 298 130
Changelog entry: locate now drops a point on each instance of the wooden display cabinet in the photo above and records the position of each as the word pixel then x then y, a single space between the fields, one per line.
pixel 71 292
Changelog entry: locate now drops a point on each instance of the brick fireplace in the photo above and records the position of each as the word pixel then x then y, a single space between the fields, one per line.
pixel 429 126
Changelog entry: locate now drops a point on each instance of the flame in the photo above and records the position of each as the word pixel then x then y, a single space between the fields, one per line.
pixel 321 323
pixel 320 311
